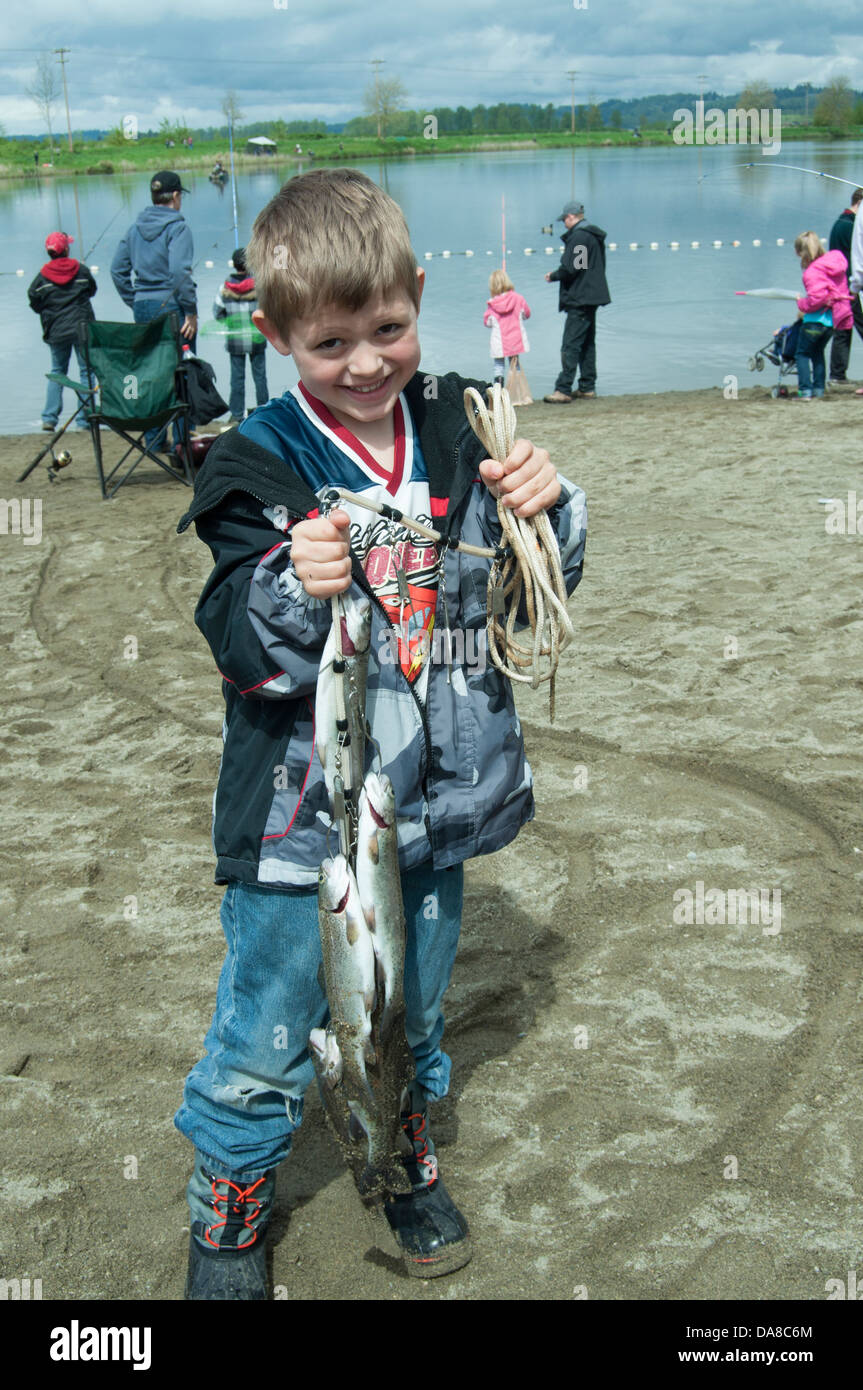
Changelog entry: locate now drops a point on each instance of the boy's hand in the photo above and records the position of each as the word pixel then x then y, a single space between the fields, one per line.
pixel 319 554
pixel 526 481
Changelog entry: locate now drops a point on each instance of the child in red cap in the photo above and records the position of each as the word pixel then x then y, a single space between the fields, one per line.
pixel 61 295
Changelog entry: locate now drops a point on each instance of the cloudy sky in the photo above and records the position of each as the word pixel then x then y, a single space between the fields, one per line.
pixel 311 58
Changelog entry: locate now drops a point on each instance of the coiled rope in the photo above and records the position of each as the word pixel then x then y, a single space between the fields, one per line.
pixel 529 568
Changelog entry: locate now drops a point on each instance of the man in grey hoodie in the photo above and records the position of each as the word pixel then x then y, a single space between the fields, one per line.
pixel 158 250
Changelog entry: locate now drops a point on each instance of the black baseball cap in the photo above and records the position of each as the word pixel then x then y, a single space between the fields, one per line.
pixel 166 181
pixel 570 210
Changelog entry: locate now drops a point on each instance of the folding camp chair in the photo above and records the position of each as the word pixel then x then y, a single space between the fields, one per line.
pixel 134 365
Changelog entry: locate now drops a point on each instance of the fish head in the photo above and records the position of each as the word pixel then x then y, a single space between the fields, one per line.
pixel 334 883
pixel 356 626
pixel 381 798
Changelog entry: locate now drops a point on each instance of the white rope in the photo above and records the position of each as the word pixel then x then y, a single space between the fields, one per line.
pixel 531 568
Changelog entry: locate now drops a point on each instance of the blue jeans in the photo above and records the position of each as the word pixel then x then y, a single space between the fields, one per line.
pixel 258 364
pixel 244 1100
pixel 145 311
pixel 811 346
pixel 60 356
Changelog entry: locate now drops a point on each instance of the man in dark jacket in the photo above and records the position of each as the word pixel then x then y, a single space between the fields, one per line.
pixel 60 295
pixel 583 288
pixel 840 240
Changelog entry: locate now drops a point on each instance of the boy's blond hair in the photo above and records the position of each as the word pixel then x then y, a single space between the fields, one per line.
pixel 330 236
pixel 808 247
pixel 499 281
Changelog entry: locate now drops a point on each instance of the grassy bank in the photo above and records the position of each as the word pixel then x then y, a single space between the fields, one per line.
pixel 111 157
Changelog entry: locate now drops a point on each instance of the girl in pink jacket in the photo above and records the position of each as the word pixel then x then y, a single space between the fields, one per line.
pixel 504 316
pixel 825 306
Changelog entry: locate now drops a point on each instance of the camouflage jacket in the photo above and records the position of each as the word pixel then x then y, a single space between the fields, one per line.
pixel 463 785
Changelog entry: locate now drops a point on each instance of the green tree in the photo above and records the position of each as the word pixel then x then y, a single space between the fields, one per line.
pixel 593 119
pixel 384 98
pixel 616 119
pixel 231 110
pixel 835 108
pixel 757 96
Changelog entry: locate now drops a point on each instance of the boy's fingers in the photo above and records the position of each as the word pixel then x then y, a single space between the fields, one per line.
pixel 319 552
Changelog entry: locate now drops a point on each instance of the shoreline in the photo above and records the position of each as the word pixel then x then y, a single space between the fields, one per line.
pixel 366 148
pixel 604 404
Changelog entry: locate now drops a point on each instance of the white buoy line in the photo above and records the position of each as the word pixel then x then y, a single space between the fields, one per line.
pixel 616 246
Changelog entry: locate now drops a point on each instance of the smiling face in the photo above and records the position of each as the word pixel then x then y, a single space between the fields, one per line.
pixel 355 361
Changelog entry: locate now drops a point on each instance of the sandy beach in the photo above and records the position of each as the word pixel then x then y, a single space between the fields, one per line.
pixel 643 1107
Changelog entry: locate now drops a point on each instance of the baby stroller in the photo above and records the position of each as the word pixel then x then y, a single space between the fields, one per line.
pixel 782 352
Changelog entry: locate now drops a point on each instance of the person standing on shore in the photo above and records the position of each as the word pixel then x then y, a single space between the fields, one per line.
pixel 61 295
pixel 236 301
pixel 583 289
pixel 825 306
pixel 841 234
pixel 158 250
pixel 504 315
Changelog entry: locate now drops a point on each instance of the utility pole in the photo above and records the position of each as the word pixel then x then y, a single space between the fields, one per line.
pixel 376 62
pixel 572 74
pixel 61 52
pixel 701 79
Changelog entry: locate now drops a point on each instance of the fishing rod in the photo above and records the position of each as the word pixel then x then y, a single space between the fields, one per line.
pixel 233 182
pixel 801 169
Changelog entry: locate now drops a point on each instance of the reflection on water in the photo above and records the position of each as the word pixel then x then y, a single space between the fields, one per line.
pixel 674 322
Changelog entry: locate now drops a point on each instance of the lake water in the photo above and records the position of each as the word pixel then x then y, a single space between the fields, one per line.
pixel 674 323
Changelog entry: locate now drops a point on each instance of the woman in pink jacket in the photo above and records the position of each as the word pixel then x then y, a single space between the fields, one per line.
pixel 825 306
pixel 504 316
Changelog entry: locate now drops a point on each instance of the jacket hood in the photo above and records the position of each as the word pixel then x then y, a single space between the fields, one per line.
pixel 244 284
pixel 152 222
pixel 504 303
pixel 584 227
pixel 61 269
pixel 835 261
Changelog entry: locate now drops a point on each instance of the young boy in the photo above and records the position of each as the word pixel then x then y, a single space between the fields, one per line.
pixel 236 302
pixel 61 294
pixel 339 290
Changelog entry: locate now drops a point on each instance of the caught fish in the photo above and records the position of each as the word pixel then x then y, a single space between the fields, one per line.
pixel 349 965
pixel 326 1057
pixel 341 700
pixel 380 890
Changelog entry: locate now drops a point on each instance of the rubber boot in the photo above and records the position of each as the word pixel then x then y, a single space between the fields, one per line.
pixel 430 1230
pixel 227 1241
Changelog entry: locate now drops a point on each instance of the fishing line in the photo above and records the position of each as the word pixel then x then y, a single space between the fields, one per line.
pixel 530 565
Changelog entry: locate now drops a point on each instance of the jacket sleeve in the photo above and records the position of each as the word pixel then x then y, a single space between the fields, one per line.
pixel 180 252
pixel 91 283
pixel 219 309
pixel 857 257
pixel 264 631
pixel 121 272
pixel 34 294
pixel 817 288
